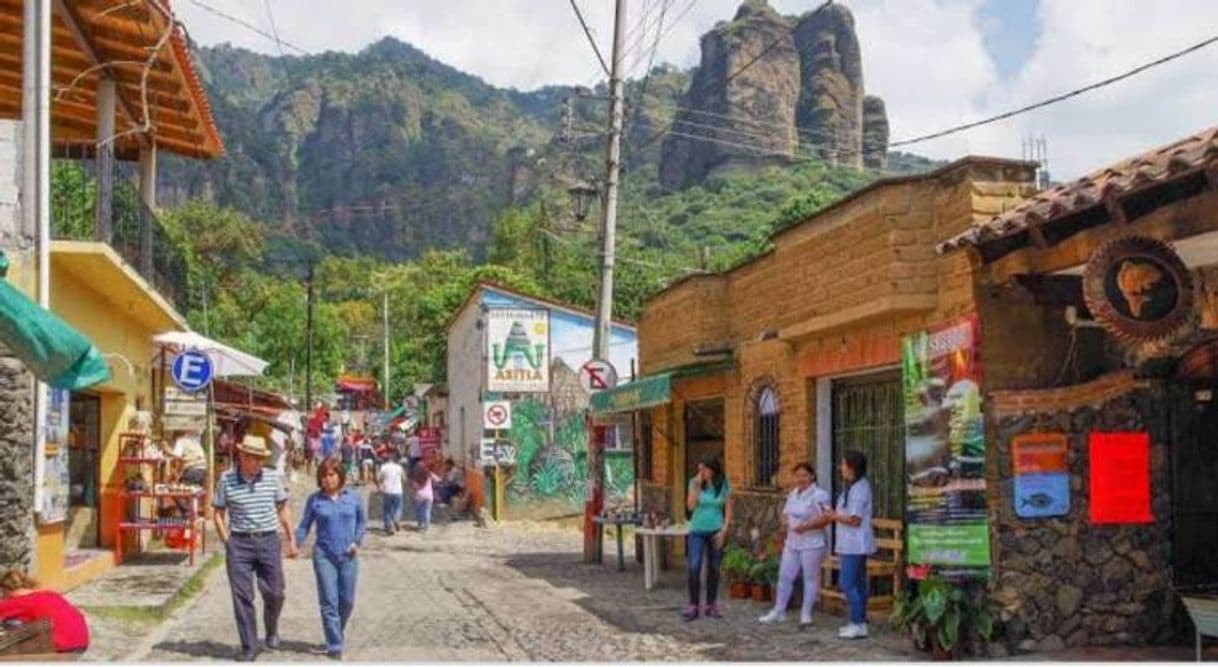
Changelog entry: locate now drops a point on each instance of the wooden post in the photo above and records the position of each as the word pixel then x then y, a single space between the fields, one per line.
pixel 103 229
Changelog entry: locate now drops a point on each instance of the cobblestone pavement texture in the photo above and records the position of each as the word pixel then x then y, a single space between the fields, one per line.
pixel 507 593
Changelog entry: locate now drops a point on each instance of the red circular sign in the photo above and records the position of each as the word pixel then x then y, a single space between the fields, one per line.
pixel 496 415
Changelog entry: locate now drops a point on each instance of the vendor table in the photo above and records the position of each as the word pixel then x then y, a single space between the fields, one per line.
pixel 617 523
pixel 651 550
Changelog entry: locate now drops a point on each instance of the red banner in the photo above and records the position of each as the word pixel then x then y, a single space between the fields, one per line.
pixel 1120 478
pixel 429 440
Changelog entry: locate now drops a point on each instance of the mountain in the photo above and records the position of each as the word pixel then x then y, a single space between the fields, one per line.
pixel 388 152
pixel 770 88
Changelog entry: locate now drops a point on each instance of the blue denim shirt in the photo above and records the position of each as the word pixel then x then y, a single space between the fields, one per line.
pixel 340 522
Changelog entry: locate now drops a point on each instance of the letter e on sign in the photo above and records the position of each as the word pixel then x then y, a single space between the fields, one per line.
pixel 191 371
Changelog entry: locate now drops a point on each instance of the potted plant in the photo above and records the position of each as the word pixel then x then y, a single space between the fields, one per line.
pixel 764 574
pixel 736 565
pixel 942 616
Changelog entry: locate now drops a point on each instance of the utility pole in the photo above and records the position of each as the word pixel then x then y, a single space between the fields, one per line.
pixel 309 339
pixel 604 292
pixel 385 314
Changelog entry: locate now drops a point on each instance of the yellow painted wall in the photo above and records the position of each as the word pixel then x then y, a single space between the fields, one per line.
pixel 116 319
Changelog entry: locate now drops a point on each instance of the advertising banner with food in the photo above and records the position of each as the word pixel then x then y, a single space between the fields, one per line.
pixel 946 515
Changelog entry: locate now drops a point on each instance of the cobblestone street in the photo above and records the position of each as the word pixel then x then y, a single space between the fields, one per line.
pixel 513 592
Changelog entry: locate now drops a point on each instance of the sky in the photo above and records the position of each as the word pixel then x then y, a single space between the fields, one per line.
pixel 936 63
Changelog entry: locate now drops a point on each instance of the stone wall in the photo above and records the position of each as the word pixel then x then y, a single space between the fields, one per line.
pixel 755 510
pixel 16 462
pixel 1063 581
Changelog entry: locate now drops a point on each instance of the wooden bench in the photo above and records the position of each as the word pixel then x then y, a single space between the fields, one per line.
pixel 885 567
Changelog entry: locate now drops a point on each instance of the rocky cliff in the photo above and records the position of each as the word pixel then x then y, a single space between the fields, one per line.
pixel 772 89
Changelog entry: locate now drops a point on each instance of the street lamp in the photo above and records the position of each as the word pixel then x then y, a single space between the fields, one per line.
pixel 582 196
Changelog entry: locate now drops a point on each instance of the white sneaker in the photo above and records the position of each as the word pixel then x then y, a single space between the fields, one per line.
pixel 845 630
pixel 805 621
pixel 775 616
pixel 854 631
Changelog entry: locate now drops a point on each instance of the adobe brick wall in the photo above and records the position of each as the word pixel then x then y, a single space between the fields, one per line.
pixel 874 249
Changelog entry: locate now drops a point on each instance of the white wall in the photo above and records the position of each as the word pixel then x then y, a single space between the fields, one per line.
pixel 11 234
pixel 465 367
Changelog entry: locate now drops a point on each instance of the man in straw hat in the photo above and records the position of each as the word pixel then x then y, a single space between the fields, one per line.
pixel 251 505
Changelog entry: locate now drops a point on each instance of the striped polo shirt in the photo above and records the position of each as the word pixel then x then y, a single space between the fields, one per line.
pixel 252 507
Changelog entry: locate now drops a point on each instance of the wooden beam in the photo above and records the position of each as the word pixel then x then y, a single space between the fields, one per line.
pixel 1036 232
pixel 1113 205
pixel 84 97
pixel 74 62
pixel 72 21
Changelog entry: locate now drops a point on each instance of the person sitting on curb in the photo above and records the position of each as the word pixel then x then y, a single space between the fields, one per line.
pixel 24 602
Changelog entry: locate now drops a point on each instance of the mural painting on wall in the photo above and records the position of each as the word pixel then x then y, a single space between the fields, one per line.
pixel 552 476
pixel 948 526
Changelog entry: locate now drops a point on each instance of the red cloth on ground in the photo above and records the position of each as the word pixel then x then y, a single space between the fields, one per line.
pixel 69 630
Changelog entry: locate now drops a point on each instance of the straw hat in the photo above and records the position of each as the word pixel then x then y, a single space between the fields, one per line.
pixel 254 445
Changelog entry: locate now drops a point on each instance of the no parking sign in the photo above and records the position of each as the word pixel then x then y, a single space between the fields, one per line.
pixel 192 370
pixel 497 416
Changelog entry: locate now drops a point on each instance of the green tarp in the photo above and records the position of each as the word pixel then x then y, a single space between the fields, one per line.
pixel 54 352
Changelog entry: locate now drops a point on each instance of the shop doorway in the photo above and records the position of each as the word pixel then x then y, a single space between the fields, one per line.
pixel 703 434
pixel 84 442
pixel 1194 493
pixel 867 414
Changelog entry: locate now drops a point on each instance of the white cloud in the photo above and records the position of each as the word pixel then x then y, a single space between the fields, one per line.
pixel 927 58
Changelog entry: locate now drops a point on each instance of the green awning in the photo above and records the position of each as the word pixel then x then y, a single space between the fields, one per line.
pixel 645 392
pixel 55 353
pixel 650 390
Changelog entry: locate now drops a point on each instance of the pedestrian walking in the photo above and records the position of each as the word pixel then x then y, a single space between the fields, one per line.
pixel 391 479
pixel 251 504
pixel 708 500
pixel 422 482
pixel 341 525
pixel 855 540
pixel 347 452
pixel 805 516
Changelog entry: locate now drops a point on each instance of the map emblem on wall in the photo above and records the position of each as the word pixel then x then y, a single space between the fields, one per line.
pixel 1139 289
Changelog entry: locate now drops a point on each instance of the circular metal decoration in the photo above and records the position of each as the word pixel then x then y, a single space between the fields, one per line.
pixel 1138 288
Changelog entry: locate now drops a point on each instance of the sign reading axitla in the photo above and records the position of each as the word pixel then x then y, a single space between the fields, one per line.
pixel 497 416
pixel 518 350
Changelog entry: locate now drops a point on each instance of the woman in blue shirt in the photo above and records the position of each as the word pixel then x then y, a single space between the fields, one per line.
pixel 341 524
pixel 855 540
pixel 708 500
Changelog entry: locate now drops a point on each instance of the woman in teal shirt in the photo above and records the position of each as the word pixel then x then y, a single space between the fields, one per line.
pixel 707 498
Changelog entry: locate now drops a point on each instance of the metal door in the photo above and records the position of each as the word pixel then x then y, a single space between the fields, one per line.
pixel 1195 493
pixel 868 415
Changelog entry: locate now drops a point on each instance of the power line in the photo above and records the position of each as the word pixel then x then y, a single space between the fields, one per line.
pixel 1058 98
pixel 245 24
pixel 588 31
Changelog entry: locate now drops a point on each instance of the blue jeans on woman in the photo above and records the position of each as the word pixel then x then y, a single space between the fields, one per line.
pixel 391 510
pixel 697 545
pixel 336 578
pixel 422 512
pixel 854 585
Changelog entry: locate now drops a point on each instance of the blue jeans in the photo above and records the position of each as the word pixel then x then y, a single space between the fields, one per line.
pixel 854 585
pixel 422 513
pixel 696 545
pixel 391 509
pixel 335 594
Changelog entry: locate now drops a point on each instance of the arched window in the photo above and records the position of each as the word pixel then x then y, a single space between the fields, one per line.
pixel 765 439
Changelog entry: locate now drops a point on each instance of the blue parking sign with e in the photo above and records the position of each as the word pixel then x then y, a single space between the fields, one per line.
pixel 192 370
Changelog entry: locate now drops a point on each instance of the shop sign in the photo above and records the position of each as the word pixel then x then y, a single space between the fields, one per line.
pixel 946 511
pixel 429 440
pixel 518 350
pixel 1120 478
pixel 56 482
pixel 1042 475
pixel 1138 289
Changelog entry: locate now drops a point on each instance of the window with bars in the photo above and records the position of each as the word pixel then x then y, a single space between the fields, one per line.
pixel 765 439
pixel 869 416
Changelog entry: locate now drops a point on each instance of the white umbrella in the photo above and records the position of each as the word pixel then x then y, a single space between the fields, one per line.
pixel 227 361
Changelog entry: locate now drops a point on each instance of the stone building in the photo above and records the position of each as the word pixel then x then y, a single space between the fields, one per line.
pixel 1112 279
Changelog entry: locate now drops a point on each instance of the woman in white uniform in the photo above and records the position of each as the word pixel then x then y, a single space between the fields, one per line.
pixel 805 516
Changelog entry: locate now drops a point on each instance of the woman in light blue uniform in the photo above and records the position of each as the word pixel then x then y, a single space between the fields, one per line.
pixel 855 540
